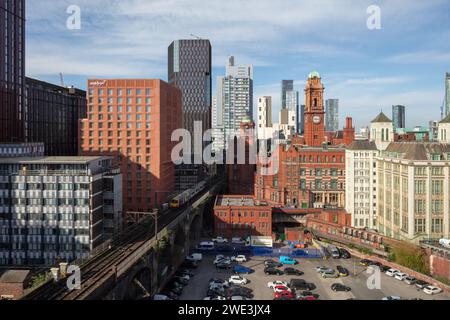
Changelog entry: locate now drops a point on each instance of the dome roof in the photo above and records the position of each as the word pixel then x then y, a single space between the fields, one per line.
pixel 314 74
pixel 246 119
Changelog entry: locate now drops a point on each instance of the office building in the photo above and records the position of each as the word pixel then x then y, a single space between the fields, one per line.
pixel 133 120
pixel 190 63
pixel 53 116
pixel 57 208
pixel 360 183
pixel 413 191
pixel 235 97
pixel 20 150
pixel 398 117
pixel 434 130
pixel 286 86
pixel 265 124
pixel 292 104
pixel 332 115
pixel 12 70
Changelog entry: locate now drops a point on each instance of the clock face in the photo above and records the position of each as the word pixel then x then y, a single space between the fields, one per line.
pixel 317 119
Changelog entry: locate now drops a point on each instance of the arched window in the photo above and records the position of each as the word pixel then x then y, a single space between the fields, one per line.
pixel 315 102
pixel 387 134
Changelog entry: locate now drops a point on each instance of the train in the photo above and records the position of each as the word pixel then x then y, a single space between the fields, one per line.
pixel 183 198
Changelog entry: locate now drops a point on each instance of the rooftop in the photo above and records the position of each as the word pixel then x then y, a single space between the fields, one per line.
pixel 446 119
pixel 14 276
pixel 363 145
pixel 419 150
pixel 52 160
pixel 238 201
pixel 314 74
pixel 381 118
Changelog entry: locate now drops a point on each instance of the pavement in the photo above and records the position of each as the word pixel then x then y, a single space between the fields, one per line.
pixel 357 281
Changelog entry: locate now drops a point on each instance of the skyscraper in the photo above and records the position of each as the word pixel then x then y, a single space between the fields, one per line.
pixel 292 104
pixel 190 70
pixel 12 69
pixel 235 97
pixel 265 123
pixel 301 127
pixel 398 116
pixel 447 95
pixel 286 85
pixel 332 115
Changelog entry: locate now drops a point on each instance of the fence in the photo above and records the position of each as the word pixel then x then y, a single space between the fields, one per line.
pixel 233 250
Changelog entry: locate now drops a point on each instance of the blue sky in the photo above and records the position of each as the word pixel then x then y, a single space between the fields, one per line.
pixel 368 70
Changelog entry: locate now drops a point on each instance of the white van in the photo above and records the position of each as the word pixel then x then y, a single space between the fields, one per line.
pixel 197 257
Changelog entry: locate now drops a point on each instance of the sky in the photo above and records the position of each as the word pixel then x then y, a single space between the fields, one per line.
pixel 404 62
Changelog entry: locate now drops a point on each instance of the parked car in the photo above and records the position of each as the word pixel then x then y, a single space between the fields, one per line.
pixel 220 240
pixel 401 276
pixel 238 298
pixel 329 274
pixel 288 260
pixel 238 280
pixel 365 262
pixel 284 294
pixel 274 284
pixel 340 287
pixel 376 264
pixel 323 269
pixel 421 284
pixel 306 298
pixel 218 286
pixel 216 298
pixel 344 253
pixel 281 289
pixel 215 293
pixel 195 257
pixel 272 264
pixel 240 259
pixel 308 294
pixel 301 285
pixel 237 240
pixel 223 266
pixel 392 272
pixel 242 270
pixel 184 272
pixel 334 252
pixel 182 276
pixel 273 271
pixel 223 260
pixel 161 297
pixel 343 272
pixel 410 280
pixel 431 290
pixel 392 298
pixel 239 292
pixel 169 294
pixel 293 272
pixel 181 281
pixel 218 281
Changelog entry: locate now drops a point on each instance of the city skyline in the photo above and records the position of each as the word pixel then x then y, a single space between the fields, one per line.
pixel 385 67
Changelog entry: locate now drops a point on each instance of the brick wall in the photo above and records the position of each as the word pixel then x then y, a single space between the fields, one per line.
pixel 11 289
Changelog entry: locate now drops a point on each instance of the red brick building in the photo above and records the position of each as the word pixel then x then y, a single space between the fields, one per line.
pixel 241 216
pixel 133 120
pixel 241 177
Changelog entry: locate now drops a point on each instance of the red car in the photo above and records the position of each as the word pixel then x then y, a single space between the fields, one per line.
pixel 307 298
pixel 284 294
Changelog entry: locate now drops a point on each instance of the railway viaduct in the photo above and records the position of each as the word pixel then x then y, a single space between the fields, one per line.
pixel 142 263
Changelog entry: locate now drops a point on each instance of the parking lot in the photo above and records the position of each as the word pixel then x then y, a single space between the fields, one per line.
pixel 357 281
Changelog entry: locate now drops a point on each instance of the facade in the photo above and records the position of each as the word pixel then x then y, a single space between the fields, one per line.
pixel 419 134
pixel 288 123
pixel 133 120
pixel 444 130
pixel 306 177
pixel 241 176
pixel 360 183
pixel 235 97
pixel 53 116
pixel 302 119
pixel 382 131
pixel 413 191
pixel 241 216
pixel 217 128
pixel 190 65
pixel 434 130
pixel 286 86
pixel 20 150
pixel 314 111
pixel 12 70
pixel 447 95
pixel 293 104
pixel 332 115
pixel 57 208
pixel 265 124
pixel 399 116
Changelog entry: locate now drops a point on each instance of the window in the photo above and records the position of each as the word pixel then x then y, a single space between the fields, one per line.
pixel 419 226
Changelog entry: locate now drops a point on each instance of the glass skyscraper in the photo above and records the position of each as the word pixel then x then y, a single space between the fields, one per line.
pixel 399 117
pixel 332 115
pixel 190 63
pixel 12 70
pixel 286 86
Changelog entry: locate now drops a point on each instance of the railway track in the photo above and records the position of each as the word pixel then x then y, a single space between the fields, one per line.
pixel 102 266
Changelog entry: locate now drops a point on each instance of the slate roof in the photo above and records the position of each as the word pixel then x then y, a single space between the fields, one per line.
pixel 362 145
pixel 419 151
pixel 381 118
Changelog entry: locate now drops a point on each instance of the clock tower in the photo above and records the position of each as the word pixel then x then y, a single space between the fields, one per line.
pixel 314 111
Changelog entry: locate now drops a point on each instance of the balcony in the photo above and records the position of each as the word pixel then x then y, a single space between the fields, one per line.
pixel 50 209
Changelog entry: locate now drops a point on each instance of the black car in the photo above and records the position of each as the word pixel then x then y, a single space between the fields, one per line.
pixel 170 294
pixel 309 294
pixel 344 253
pixel 421 284
pixel 273 271
pixel 175 290
pixel 365 262
pixel 215 293
pixel 236 287
pixel 185 272
pixel 340 287
pixel 343 272
pixel 175 284
pixel 181 281
pixel 217 280
pixel 293 272
pixel 272 264
pixel 239 292
pixel 376 264
pixel 223 266
pixel 301 285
